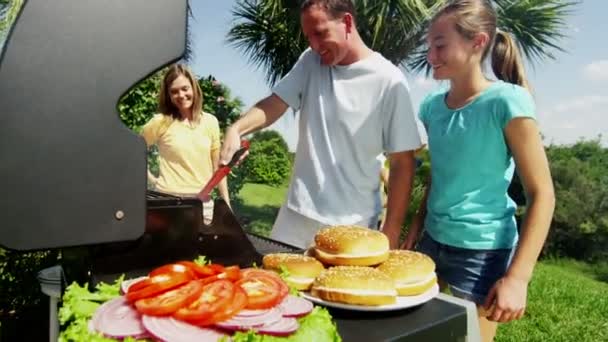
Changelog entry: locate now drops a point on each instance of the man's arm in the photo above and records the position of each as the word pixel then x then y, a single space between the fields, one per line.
pixel 261 115
pixel 401 179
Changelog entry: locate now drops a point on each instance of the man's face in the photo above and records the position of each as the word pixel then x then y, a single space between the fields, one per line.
pixel 326 35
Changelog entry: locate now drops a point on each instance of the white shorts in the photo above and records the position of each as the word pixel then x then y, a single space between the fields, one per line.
pixel 298 230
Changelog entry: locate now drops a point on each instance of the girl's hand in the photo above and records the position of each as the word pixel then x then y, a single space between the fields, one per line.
pixel 506 300
pixel 412 236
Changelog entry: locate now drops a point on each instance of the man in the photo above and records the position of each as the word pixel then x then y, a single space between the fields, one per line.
pixel 354 105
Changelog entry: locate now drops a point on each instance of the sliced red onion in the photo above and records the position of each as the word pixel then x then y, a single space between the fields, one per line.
pixel 293 306
pixel 124 286
pixel 173 330
pixel 249 312
pixel 239 322
pixel 117 319
pixel 283 327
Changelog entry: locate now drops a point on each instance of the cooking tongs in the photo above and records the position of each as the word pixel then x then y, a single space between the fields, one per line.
pixel 222 171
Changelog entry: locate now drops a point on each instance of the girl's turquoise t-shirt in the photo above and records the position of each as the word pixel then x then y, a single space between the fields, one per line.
pixel 472 167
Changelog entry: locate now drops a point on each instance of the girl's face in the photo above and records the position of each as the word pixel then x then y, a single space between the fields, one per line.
pixel 181 93
pixel 450 54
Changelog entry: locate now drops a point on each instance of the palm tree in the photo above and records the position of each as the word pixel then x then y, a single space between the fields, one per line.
pixel 268 31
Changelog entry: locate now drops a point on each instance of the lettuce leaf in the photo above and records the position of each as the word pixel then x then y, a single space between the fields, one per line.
pixel 79 302
pixel 284 274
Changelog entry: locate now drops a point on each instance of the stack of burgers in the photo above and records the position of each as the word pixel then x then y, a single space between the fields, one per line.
pixel 354 265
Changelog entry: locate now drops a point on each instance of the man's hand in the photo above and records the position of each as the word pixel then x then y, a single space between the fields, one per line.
pixel 506 300
pixel 232 143
pixel 263 114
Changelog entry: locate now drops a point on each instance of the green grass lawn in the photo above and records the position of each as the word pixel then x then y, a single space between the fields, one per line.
pixel 567 300
pixel 259 206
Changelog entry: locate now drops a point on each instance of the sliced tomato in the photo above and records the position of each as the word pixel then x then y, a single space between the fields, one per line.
pixel 239 302
pixel 217 268
pixel 170 301
pixel 263 292
pixel 156 285
pixel 215 297
pixel 203 271
pixel 173 268
pixel 283 288
pixel 232 273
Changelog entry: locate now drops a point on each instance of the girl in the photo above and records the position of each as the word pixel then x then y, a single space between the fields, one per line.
pixel 188 139
pixel 478 131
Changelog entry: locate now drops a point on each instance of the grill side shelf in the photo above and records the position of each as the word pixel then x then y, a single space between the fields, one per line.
pixel 265 245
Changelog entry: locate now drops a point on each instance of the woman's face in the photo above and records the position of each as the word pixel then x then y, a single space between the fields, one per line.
pixel 450 54
pixel 181 93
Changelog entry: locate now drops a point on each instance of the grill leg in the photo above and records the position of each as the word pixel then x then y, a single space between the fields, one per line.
pixel 54 321
pixel 50 285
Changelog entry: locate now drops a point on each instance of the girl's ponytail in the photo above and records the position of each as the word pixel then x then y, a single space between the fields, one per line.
pixel 507 63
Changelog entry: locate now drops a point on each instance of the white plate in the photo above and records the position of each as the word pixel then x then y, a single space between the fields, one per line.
pixel 403 302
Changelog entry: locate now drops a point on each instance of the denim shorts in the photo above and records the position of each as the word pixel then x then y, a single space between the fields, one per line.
pixel 469 273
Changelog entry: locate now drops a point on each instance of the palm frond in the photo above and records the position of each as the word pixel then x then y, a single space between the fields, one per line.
pixel 537 25
pixel 9 9
pixel 268 33
pixel 393 27
pixel 189 53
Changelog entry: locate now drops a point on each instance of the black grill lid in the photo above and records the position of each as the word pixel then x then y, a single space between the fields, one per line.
pixel 71 172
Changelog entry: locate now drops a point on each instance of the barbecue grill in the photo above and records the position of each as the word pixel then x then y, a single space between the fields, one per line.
pixel 73 175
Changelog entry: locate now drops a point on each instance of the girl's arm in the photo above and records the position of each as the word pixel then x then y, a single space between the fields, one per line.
pixel 525 143
pixel 506 301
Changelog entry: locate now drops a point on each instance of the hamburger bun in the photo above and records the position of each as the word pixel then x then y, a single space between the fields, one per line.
pixel 355 285
pixel 302 269
pixel 351 246
pixel 413 272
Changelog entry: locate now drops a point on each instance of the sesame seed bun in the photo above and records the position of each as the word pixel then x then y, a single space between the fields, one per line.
pixel 355 285
pixel 413 272
pixel 302 269
pixel 350 246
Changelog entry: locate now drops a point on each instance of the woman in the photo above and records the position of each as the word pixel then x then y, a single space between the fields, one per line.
pixel 188 139
pixel 478 131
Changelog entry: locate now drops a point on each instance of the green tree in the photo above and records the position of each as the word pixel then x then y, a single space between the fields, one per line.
pixel 268 31
pixel 580 223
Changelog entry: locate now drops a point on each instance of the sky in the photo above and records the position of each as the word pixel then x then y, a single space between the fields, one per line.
pixel 571 92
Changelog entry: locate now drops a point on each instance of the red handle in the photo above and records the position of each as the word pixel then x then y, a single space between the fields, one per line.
pixel 222 172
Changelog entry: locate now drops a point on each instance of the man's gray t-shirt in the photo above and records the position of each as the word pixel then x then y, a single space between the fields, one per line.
pixel 348 116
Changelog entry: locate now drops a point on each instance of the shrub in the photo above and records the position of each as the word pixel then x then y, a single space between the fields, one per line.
pixel 269 160
pixel 580 223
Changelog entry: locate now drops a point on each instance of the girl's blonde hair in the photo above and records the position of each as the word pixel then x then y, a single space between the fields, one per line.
pixel 166 107
pixel 475 16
